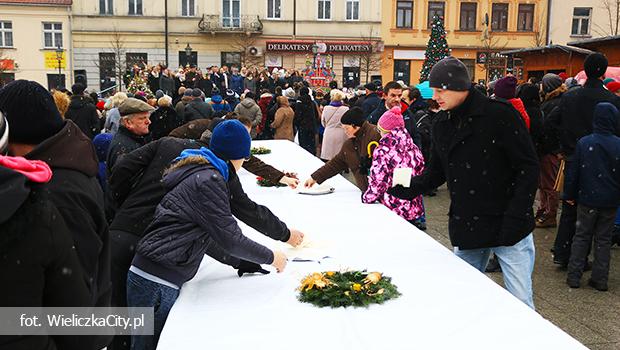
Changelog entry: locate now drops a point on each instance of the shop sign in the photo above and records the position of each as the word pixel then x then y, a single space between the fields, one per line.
pixel 51 60
pixel 329 47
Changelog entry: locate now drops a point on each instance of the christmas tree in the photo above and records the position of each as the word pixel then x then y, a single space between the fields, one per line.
pixel 437 48
pixel 139 83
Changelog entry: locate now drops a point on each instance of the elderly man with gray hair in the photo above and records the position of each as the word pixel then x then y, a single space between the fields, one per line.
pixel 134 126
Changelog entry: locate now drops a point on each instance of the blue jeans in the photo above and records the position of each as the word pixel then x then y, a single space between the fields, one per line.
pixel 517 264
pixel 145 293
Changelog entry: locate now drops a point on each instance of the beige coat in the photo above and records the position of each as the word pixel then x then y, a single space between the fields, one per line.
pixel 283 124
pixel 334 135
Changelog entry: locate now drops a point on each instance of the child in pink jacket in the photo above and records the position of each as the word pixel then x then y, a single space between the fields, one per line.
pixel 396 150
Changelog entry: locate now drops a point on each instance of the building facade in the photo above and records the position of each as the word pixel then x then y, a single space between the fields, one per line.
pixel 574 20
pixel 35 41
pixel 476 32
pixel 272 33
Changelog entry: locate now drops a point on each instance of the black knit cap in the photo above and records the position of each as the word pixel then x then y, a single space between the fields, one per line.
pixel 449 74
pixel 30 111
pixel 595 65
pixel 354 116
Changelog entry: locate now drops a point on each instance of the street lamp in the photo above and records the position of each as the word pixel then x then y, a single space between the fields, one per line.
pixel 315 51
pixel 188 53
pixel 59 52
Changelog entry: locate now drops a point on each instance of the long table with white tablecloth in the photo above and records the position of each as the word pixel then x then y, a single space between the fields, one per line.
pixel 445 303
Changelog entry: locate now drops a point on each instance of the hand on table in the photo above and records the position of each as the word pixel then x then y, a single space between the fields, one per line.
pixel 296 238
pixel 279 261
pixel 250 267
pixel 309 183
pixel 289 181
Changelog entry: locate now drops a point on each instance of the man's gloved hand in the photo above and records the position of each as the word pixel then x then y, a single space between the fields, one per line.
pixel 399 191
pixel 249 267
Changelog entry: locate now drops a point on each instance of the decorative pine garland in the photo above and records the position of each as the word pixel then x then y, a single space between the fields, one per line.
pixel 262 182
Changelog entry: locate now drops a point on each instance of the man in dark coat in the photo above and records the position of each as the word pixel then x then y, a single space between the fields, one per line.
pixel 37 132
pixel 483 151
pixel 132 131
pixel 372 100
pixel 574 120
pixel 197 108
pixel 83 112
pixel 393 91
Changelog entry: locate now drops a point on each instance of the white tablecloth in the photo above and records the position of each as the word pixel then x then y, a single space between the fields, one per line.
pixel 445 303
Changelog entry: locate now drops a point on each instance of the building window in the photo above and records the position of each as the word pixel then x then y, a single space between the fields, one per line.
pixel 52 35
pixel 499 18
pixel 525 22
pixel 139 59
pixel 135 7
pixel 185 61
pixel 231 13
pixel 435 8
pixel 106 7
pixel 273 9
pixel 581 21
pixel 325 9
pixel 404 14
pixel 6 78
pixel 188 8
pixel 55 81
pixel 353 10
pixel 468 16
pixel 231 59
pixel 6 34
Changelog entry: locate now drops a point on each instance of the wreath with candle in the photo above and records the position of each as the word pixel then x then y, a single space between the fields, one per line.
pixel 348 288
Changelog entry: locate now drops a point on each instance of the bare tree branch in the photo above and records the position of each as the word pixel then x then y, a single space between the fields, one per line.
pixel 242 43
pixel 370 61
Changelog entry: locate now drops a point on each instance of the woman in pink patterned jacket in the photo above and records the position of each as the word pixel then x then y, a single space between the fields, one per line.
pixel 396 150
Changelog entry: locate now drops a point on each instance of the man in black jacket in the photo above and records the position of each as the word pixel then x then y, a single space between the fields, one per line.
pixel 372 99
pixel 37 132
pixel 132 131
pixel 484 153
pixel 573 119
pixel 83 112
pixel 197 108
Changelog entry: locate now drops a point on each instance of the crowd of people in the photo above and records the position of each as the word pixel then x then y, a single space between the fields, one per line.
pixel 117 198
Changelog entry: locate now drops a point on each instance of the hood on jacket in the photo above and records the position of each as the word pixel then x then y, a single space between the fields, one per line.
pixel 248 103
pixel 68 149
pixel 605 119
pixel 15 173
pixel 266 95
pixel 13 191
pixel 183 169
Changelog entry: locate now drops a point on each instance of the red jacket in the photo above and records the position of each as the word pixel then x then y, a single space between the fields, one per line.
pixel 263 103
pixel 518 105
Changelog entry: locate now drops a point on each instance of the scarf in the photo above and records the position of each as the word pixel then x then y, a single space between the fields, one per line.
pixel 206 153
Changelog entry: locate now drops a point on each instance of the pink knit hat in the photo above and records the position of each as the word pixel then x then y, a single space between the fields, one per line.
pixel 391 119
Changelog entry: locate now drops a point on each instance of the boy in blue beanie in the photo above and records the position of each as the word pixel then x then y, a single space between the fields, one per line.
pixel 593 185
pixel 193 218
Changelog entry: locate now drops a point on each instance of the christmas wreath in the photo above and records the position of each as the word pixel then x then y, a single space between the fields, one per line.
pixel 259 150
pixel 349 288
pixel 262 182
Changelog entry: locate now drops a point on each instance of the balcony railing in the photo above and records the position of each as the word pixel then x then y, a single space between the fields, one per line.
pixel 220 24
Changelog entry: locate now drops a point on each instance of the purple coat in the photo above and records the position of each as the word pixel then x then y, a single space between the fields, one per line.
pixel 395 150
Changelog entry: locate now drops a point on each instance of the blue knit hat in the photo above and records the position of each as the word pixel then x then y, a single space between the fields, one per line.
pixel 231 140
